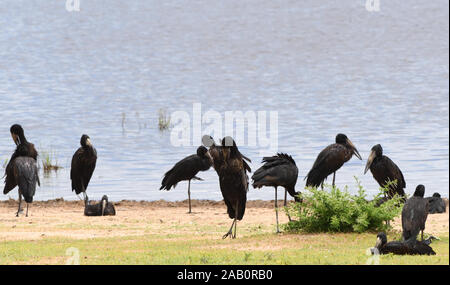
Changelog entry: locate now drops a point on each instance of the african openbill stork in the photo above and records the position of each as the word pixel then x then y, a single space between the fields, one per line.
pixel 103 208
pixel 330 160
pixel 83 165
pixel 409 247
pixel 385 170
pixel 231 168
pixel 278 170
pixel 21 169
pixel 187 169
pixel 436 204
pixel 414 214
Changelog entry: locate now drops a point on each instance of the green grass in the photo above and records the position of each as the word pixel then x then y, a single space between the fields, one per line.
pixel 348 248
pixel 49 161
pixel 163 120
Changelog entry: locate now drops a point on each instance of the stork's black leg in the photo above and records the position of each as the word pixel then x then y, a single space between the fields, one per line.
pixel 334 177
pixel 276 209
pixel 230 231
pixel 20 202
pixel 189 196
pixel 285 204
pixel 422 235
pixel 27 211
pixel 235 216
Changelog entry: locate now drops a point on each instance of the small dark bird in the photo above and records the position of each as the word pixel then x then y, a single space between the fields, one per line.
pixel 409 247
pixel 232 169
pixel 436 204
pixel 278 170
pixel 103 208
pixel 22 172
pixel 83 165
pixel 187 169
pixel 384 170
pixel 330 160
pixel 414 214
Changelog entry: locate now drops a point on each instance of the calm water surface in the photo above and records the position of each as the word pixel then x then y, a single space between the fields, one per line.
pixel 325 66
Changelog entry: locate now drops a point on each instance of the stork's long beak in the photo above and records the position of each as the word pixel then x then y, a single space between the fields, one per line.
pixel 369 161
pixel 208 155
pixel 88 142
pixel 378 243
pixel 103 207
pixel 16 139
pixel 355 151
pixel 225 153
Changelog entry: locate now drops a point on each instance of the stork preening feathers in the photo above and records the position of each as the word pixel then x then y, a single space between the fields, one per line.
pixel 232 168
pixel 22 168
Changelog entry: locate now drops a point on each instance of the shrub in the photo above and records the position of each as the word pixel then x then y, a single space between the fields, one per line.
pixel 339 211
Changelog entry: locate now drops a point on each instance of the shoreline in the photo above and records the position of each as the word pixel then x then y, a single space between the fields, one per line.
pixel 60 202
pixel 157 203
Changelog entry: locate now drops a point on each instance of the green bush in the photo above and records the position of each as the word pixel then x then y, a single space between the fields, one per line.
pixel 339 211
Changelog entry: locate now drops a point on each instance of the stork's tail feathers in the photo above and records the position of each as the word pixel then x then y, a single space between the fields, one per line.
pixel 167 181
pixel 27 177
pixel 314 179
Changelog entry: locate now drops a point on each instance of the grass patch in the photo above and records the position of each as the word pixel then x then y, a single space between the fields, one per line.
pixel 349 248
pixel 49 161
pixel 163 120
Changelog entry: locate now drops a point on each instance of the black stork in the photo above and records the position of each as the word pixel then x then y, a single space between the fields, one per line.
pixel 436 204
pixel 21 169
pixel 103 208
pixel 385 170
pixel 187 169
pixel 83 165
pixel 231 168
pixel 409 247
pixel 330 160
pixel 414 214
pixel 278 170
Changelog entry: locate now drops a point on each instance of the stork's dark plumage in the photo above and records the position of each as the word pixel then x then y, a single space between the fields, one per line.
pixel 409 247
pixel 22 168
pixel 187 169
pixel 83 165
pixel 384 170
pixel 278 170
pixel 103 208
pixel 232 169
pixel 330 160
pixel 414 214
pixel 436 204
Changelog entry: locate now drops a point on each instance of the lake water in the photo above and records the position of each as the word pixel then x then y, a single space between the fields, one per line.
pixel 325 67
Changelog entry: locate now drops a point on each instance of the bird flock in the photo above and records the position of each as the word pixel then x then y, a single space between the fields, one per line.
pixel 232 169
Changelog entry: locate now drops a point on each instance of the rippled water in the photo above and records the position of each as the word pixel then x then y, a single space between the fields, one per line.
pixel 325 66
